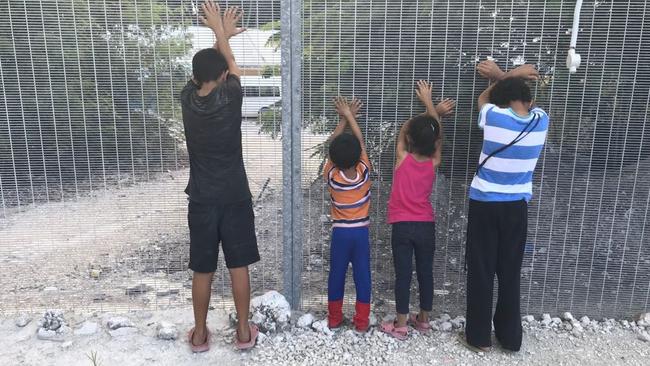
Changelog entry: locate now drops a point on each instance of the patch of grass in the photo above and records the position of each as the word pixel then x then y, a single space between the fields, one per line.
pixel 92 356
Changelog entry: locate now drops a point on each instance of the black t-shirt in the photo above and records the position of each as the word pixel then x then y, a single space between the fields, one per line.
pixel 214 143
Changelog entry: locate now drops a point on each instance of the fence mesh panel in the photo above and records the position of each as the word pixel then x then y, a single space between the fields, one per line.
pixel 93 165
pixel 588 245
pixel 92 158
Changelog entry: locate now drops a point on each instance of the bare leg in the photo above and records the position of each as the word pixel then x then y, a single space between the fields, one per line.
pixel 241 291
pixel 401 320
pixel 201 291
pixel 423 317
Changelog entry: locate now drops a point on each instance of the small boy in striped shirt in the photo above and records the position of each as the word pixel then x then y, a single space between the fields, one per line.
pixel 347 173
pixel 514 133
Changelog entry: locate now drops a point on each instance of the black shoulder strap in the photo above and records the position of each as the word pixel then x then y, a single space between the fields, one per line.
pixel 522 135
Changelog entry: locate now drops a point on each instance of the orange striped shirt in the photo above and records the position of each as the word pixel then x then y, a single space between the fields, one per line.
pixel 350 197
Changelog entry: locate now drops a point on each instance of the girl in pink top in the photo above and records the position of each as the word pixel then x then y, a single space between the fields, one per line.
pixel 411 213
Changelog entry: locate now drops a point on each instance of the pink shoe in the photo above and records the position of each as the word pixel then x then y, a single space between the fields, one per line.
pixel 242 346
pixel 202 347
pixel 422 327
pixel 400 333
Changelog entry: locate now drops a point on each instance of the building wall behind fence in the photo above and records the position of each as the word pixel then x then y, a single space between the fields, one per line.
pixel 92 163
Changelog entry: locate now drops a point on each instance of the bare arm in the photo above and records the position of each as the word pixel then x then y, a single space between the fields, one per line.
pixel 338 130
pixel 351 116
pixel 224 28
pixel 491 71
pixel 423 91
pixel 401 149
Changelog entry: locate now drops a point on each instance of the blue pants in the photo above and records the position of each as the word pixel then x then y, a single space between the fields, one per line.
pixel 349 245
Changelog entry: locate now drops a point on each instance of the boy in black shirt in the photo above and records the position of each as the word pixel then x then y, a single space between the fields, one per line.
pixel 220 207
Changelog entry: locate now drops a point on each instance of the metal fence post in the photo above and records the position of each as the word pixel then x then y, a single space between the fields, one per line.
pixel 291 45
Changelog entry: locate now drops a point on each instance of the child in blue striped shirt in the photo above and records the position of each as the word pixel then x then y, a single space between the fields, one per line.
pixel 514 132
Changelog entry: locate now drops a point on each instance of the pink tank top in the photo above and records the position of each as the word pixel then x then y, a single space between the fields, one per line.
pixel 411 191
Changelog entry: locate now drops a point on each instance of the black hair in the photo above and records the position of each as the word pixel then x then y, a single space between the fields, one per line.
pixel 510 90
pixel 423 135
pixel 208 65
pixel 345 151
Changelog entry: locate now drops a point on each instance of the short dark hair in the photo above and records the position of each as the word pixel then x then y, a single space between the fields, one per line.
pixel 345 151
pixel 208 65
pixel 423 134
pixel 510 90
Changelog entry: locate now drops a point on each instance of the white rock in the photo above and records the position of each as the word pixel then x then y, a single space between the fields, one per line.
pixel 87 328
pixel 445 318
pixel 556 321
pixel 446 326
pixel 321 327
pixel 643 320
pixel 52 335
pixel 372 320
pixel 585 321
pixel 271 310
pixel 567 316
pixel 22 320
pixel 305 321
pixel 66 345
pixel 546 316
pixel 167 331
pixel 644 336
pixel 50 289
pixel 528 319
pixel 123 332
pixel 118 322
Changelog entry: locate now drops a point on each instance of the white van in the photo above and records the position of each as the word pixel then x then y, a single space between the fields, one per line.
pixel 259 93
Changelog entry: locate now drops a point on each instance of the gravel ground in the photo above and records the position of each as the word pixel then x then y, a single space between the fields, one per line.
pixel 136 340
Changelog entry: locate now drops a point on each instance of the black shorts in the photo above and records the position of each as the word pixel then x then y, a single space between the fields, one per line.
pixel 232 225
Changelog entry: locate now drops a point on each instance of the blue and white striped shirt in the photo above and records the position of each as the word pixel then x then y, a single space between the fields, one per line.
pixel 508 175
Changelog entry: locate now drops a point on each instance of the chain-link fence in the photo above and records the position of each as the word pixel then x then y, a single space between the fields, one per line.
pixel 93 165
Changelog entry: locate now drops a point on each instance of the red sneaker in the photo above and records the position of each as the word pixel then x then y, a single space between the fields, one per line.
pixel 361 317
pixel 334 314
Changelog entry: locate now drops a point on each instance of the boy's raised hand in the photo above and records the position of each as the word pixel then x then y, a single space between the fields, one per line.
pixel 231 17
pixel 212 15
pixel 342 106
pixel 423 91
pixel 490 70
pixel 526 71
pixel 446 107
pixel 355 106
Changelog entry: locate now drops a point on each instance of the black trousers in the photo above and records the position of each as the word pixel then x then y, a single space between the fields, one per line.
pixel 496 239
pixel 409 239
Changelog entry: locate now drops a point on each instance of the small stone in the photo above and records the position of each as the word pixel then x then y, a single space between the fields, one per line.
pixel 232 318
pixel 305 321
pixel 446 326
pixel 458 322
pixel 625 324
pixel 546 316
pixel 528 319
pixel 119 322
pixel 87 328
pixel 585 321
pixel 577 333
pixel 556 321
pixel 567 316
pixel 22 320
pixel 66 345
pixel 138 289
pixel 167 331
pixel 644 336
pixel 445 318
